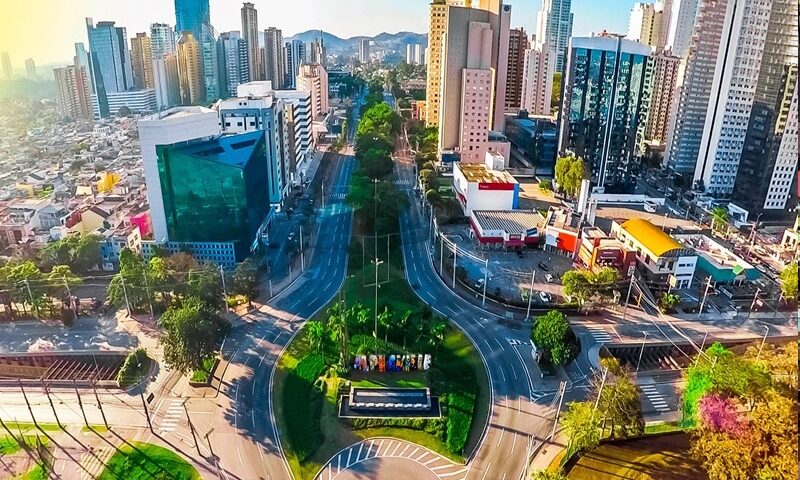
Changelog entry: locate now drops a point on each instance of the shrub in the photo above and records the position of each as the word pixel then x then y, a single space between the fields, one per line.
pixel 303 406
pixel 137 363
pixel 460 406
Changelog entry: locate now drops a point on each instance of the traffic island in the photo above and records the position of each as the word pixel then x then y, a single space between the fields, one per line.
pixel 389 403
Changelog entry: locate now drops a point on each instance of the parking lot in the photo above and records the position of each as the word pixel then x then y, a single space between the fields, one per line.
pixel 509 272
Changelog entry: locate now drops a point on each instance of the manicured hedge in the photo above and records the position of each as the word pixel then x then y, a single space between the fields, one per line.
pixel 433 426
pixel 302 405
pixel 460 407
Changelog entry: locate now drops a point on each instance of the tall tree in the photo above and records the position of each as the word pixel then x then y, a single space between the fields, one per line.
pixel 789 282
pixel 719 218
pixel 316 336
pixel 552 335
pixel 192 333
pixel 582 425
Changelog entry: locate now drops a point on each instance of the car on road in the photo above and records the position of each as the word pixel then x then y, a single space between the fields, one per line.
pixel 549 278
pixel 545 297
pixel 542 266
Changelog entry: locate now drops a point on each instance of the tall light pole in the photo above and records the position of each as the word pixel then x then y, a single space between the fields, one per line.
pixel 705 294
pixel 485 280
pixel 641 352
pixel 761 347
pixel 530 295
pixel 755 298
pixel 375 332
pixel 628 298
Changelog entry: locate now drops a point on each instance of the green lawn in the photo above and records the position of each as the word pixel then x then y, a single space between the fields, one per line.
pixel 648 458
pixel 145 461
pixel 10 446
pixel 36 473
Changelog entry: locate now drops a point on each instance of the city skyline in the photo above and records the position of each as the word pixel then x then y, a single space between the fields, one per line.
pixel 48 19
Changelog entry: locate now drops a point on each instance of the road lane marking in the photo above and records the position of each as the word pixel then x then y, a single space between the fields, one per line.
pixel 486 471
pixel 513 444
pixel 500 438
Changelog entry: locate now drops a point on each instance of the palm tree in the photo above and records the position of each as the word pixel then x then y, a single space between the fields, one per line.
pixel 385 321
pixel 360 314
pixel 437 333
pixel 338 329
pixel 316 335
pixel 404 322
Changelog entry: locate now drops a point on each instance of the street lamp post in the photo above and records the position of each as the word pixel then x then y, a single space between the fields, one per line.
pixel 753 304
pixel 761 347
pixel 705 294
pixel 375 332
pixel 530 296
pixel 485 280
pixel 628 298
pixel 641 352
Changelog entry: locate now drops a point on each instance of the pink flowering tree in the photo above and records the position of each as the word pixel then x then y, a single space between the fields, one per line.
pixel 720 414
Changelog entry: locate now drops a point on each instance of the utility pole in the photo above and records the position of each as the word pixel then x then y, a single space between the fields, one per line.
pixel 628 297
pixel 53 407
pixel 485 280
pixel 144 405
pixel 149 298
pixel 441 254
pixel 641 352
pixel 191 426
pixel 125 292
pixel 99 405
pixel 375 332
pixel 302 253
pixel 80 403
pixel 562 388
pixel 69 297
pixel 705 294
pixel 224 287
pixel 763 340
pixel 753 304
pixel 530 295
pixel 455 259
pixel 599 393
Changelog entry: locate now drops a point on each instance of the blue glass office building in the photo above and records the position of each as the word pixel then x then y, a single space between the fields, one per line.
pixel 191 16
pixel 214 190
pixel 604 108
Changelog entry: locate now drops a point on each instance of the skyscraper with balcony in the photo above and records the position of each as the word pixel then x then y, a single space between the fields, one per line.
pixel 732 94
pixel 766 178
pixel 110 62
pixel 273 57
pixel 537 81
pixel 210 63
pixel 437 25
pixel 683 17
pixel 73 93
pixel 250 36
pixel 233 65
pixel 190 70
pixel 664 77
pixel 294 56
pixel 693 90
pixel 604 108
pixel 142 61
pixel 554 27
pixel 162 39
pixel 313 78
pixel 192 16
pixel 645 22
pixel 517 45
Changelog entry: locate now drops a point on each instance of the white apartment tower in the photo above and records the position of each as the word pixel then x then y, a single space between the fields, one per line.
pixel 554 27
pixel 645 23
pixel 683 16
pixel 732 94
pixel 313 78
pixel 537 83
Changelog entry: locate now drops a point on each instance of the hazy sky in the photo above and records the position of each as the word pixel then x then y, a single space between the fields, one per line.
pixel 47 29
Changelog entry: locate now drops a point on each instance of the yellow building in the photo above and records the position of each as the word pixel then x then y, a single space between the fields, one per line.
pixel 107 182
pixel 190 70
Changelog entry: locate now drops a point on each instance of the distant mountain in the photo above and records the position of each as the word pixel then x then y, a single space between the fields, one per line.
pixel 388 41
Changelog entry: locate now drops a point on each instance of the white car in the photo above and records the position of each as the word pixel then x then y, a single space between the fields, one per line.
pixel 549 278
pixel 544 297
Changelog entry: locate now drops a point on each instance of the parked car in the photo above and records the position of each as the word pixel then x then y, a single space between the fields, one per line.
pixel 544 297
pixel 549 278
pixel 542 266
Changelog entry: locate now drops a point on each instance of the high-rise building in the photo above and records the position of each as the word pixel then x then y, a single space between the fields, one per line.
pixel 73 93
pixel 693 89
pixel 517 45
pixel 317 50
pixel 142 61
pixel 192 16
pixel 250 35
pixel 213 190
pixel 732 94
pixel 233 65
pixel 363 50
pixel 313 78
pixel 162 39
pixel 294 56
pixel 273 57
pixel 766 174
pixel 666 19
pixel 664 80
pixel 110 62
pixel 81 57
pixel 137 101
pixel 167 81
pixel 210 63
pixel 537 81
pixel 473 78
pixel 604 110
pixel 419 54
pixel 299 125
pixel 410 54
pixel 682 19
pixel 169 127
pixel 190 70
pixel 645 22
pixel 30 69
pixel 437 24
pixel 5 59
pixel 256 108
pixel 554 28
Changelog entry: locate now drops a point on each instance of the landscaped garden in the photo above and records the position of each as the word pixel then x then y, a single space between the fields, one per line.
pixel 144 461
pixel 318 366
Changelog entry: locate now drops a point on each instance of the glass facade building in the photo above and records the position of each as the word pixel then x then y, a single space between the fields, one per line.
pixel 192 16
pixel 606 97
pixel 110 61
pixel 215 190
pixel 534 142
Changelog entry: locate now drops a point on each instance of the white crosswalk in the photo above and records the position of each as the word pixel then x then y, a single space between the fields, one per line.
pixel 172 416
pixel 599 334
pixel 655 398
pixel 93 463
pixel 365 450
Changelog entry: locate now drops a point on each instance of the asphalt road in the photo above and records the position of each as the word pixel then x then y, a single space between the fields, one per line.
pixel 521 414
